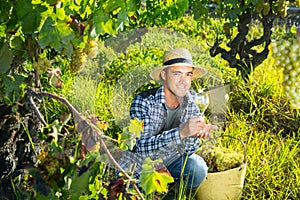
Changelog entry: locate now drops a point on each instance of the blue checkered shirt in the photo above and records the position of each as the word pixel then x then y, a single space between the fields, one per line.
pixel 154 142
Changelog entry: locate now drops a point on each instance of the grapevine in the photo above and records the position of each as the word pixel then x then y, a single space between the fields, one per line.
pixel 287 56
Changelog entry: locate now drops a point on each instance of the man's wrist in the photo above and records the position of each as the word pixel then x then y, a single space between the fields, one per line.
pixel 181 131
pixel 178 137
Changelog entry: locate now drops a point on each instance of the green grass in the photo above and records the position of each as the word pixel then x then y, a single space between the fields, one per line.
pixel 258 115
pixel 272 163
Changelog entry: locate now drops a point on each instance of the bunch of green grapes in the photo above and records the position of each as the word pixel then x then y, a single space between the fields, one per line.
pixel 50 166
pixel 91 48
pixel 41 65
pixel 220 158
pixel 208 154
pixel 78 60
pixel 227 159
pixel 287 55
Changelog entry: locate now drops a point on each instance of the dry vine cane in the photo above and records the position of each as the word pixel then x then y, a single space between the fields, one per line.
pixel 80 118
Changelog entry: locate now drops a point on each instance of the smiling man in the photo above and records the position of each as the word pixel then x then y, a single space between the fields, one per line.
pixel 172 121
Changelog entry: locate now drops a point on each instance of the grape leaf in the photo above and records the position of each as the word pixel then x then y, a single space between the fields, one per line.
pixel 126 139
pixel 17 44
pixel 29 15
pixel 112 5
pixel 6 57
pixel 132 5
pixel 108 27
pixel 60 13
pixel 14 87
pixel 51 2
pixel 136 127
pixel 152 180
pixel 86 8
pixel 55 34
pixel 102 23
pixel 79 185
pixel 122 20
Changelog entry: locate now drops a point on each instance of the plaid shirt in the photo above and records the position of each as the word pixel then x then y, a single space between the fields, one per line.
pixel 155 143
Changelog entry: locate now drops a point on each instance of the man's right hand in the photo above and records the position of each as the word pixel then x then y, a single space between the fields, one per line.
pixel 196 127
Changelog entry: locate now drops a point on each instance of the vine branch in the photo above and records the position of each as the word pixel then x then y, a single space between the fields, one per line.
pixel 78 116
pixel 36 110
pixel 242 54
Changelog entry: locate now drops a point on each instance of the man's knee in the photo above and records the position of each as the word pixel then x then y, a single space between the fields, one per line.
pixel 196 171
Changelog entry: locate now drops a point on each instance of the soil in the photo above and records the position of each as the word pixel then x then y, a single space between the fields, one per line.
pixel 16 145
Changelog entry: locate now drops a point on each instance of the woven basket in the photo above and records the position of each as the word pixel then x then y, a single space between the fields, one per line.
pixel 225 185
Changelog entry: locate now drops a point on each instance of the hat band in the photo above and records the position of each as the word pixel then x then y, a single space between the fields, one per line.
pixel 178 60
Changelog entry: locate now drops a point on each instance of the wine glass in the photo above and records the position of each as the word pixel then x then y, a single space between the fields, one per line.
pixel 202 101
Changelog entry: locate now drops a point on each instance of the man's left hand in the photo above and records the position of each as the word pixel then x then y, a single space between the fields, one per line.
pixel 205 131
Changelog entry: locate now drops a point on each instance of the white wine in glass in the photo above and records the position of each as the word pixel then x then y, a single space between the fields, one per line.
pixel 202 101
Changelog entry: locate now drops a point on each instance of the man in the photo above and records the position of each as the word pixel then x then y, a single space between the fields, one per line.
pixel 172 121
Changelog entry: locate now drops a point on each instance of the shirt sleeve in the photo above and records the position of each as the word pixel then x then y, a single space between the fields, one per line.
pixel 150 142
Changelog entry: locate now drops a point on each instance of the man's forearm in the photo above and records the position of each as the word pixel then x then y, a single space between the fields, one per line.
pixel 149 145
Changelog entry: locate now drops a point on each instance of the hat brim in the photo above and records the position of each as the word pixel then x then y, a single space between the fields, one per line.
pixel 197 72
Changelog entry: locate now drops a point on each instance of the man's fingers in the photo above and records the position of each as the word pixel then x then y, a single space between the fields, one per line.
pixel 213 127
pixel 204 131
pixel 198 127
pixel 203 134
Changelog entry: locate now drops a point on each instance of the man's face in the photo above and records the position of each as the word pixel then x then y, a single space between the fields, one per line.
pixel 177 80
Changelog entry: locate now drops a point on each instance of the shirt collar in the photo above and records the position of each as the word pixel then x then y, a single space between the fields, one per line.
pixel 160 95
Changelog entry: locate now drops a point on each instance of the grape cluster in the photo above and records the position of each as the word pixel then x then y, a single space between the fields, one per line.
pixel 50 166
pixel 78 60
pixel 287 55
pixel 91 48
pixel 41 65
pixel 220 159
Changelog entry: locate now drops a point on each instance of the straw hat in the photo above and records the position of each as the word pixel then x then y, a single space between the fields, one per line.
pixel 178 57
